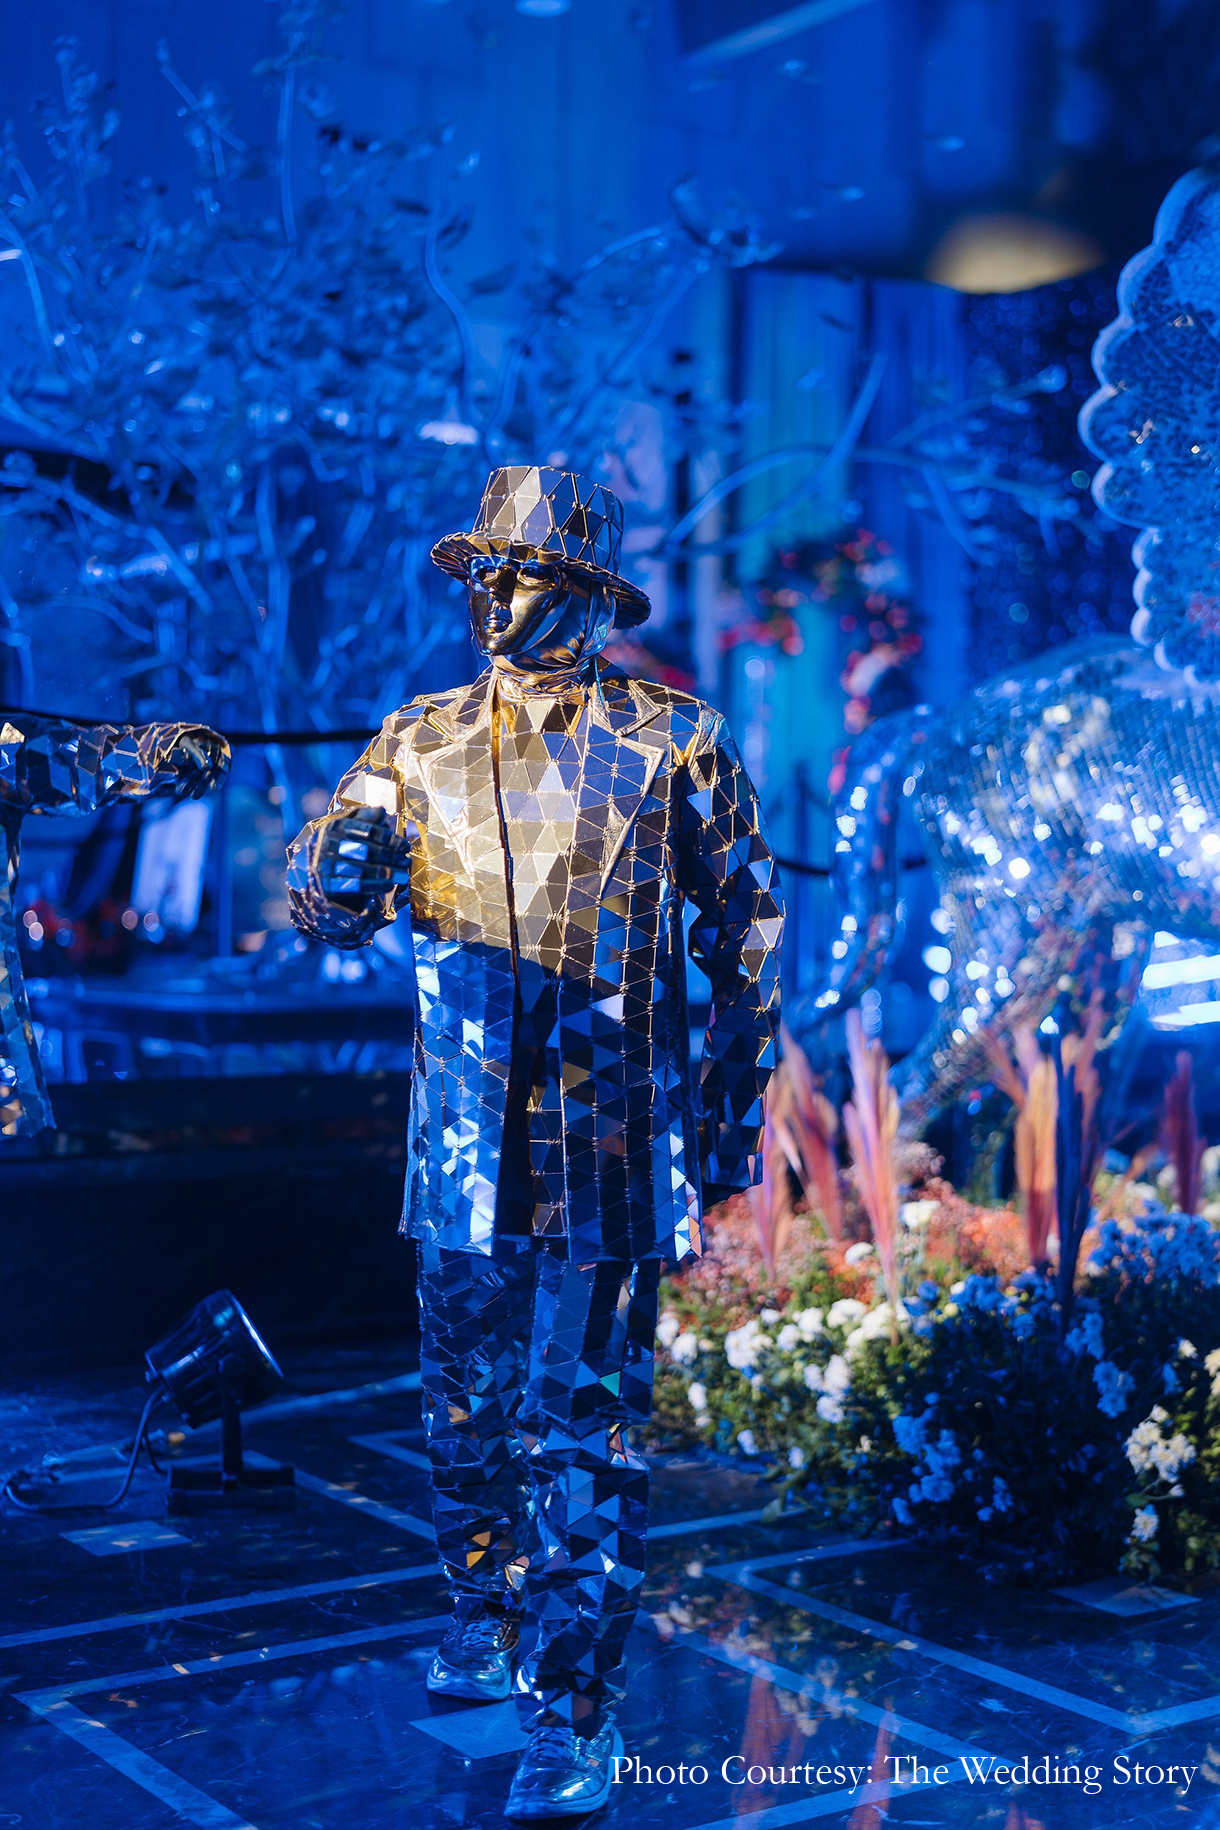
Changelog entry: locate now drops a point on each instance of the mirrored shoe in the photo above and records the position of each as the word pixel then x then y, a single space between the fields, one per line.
pixel 475 1658
pixel 562 1774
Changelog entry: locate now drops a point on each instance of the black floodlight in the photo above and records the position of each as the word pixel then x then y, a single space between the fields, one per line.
pixel 210 1366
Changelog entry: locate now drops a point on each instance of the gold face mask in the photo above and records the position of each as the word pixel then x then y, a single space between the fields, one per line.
pixel 534 615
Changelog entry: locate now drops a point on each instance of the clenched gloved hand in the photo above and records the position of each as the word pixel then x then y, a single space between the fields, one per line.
pixel 354 858
pixel 194 756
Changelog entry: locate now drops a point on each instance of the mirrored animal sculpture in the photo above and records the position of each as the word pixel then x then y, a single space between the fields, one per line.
pixel 1071 808
pixel 1069 811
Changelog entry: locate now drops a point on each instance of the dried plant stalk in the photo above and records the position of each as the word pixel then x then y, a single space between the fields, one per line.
pixel 1035 1153
pixel 1078 1145
pixel 771 1199
pixel 807 1126
pixel 1029 1079
pixel 870 1120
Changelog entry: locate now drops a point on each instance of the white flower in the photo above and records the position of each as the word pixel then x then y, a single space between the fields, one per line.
pixel 697 1393
pixel 1148 1449
pixel 685 1350
pixel 747 1442
pixel 876 1325
pixel 1211 1364
pixel 768 1316
pixel 855 1253
pixel 788 1337
pixel 1144 1525
pixel 845 1313
pixel 836 1377
pixel 668 1328
pixel 864 1446
pixel 830 1408
pixel 742 1345
pixel 917 1213
pixel 809 1321
pixel 813 1377
pixel 1187 1350
pixel 796 1457
pixel 1178 1451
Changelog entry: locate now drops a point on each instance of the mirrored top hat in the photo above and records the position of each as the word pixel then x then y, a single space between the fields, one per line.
pixel 528 509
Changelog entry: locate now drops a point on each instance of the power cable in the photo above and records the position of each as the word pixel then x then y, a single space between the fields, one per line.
pixel 50 1470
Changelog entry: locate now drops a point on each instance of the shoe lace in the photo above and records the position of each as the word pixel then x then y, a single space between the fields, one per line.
pixel 485 1631
pixel 552 1744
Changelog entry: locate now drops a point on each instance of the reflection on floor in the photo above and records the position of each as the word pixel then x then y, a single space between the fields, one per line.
pixel 266 1671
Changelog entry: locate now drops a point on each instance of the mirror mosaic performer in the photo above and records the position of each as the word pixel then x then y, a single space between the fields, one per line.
pixel 56 766
pixel 542 829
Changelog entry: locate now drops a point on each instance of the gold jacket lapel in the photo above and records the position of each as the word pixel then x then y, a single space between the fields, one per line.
pixel 453 754
pixel 621 761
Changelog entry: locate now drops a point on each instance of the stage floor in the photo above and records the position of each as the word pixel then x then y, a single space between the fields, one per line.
pixel 267 1672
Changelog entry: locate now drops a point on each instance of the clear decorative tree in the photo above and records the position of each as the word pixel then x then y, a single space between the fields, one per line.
pixel 258 419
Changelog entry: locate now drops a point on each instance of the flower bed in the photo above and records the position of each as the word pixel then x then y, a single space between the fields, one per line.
pixel 972 1408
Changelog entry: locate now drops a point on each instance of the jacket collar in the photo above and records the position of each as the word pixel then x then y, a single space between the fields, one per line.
pixel 617 702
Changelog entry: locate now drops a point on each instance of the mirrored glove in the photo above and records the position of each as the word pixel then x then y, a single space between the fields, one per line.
pixel 198 757
pixel 359 856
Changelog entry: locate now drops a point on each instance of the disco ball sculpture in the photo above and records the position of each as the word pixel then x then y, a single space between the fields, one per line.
pixel 1155 421
pixel 1071 809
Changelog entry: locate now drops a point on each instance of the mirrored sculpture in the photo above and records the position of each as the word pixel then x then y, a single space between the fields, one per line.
pixel 50 766
pixel 1071 809
pixel 1156 422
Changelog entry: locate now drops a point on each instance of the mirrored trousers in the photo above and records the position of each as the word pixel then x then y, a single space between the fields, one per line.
pixel 533 1370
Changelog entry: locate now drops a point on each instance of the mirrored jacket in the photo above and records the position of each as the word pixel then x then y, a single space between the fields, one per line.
pixel 659 812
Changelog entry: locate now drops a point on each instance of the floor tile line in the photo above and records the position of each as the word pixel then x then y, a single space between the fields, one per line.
pixel 771 1817
pixel 359 1502
pixel 383 1442
pixel 714 1521
pixel 834 1547
pixel 228 1661
pixel 802 1685
pixel 187 1800
pixel 224 1604
pixel 1175 1716
pixel 320 1401
pixel 1125 1721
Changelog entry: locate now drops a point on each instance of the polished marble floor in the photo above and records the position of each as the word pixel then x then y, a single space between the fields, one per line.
pixel 265 1671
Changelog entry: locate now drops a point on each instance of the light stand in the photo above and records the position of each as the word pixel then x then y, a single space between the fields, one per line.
pixel 210 1366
